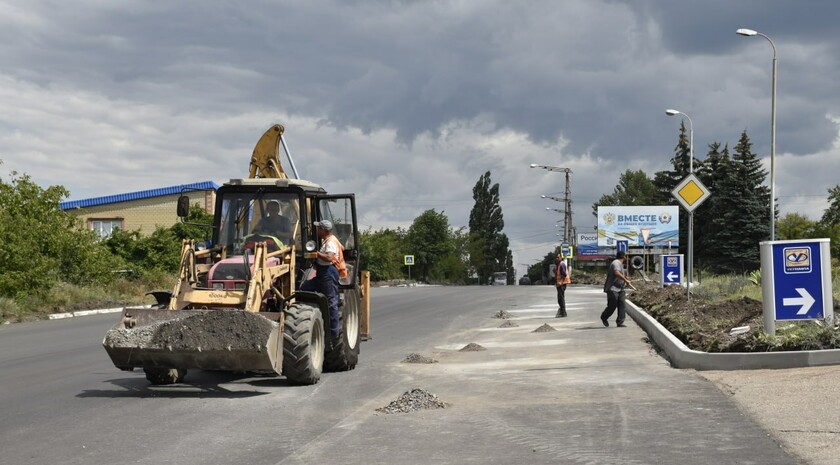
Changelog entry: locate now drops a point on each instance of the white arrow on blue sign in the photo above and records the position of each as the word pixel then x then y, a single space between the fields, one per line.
pixel 671 269
pixel 796 280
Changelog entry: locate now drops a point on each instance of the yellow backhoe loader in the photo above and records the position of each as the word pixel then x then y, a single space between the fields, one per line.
pixel 237 304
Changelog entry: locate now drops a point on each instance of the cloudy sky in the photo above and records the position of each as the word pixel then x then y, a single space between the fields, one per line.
pixel 407 103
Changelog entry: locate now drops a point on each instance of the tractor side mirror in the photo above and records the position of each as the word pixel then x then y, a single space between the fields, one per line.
pixel 183 206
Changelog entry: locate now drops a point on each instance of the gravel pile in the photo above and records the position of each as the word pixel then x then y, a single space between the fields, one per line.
pixel 545 328
pixel 508 324
pixel 417 358
pixel 501 314
pixel 412 401
pixel 472 347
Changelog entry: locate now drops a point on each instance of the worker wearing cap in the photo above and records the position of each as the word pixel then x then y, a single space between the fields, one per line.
pixel 327 260
pixel 614 286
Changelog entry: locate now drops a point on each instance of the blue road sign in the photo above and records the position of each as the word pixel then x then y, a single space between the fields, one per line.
pixel 565 251
pixel 671 269
pixel 622 246
pixel 798 281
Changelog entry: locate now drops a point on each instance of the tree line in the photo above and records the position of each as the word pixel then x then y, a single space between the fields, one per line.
pixel 444 254
pixel 729 225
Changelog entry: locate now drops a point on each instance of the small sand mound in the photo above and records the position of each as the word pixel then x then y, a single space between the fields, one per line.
pixel 413 400
pixel 472 347
pixel 545 328
pixel 501 314
pixel 417 358
pixel 508 324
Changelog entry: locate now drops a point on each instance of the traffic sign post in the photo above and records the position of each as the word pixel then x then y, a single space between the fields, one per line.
pixel 671 269
pixel 690 193
pixel 795 281
pixel 622 246
pixel 409 261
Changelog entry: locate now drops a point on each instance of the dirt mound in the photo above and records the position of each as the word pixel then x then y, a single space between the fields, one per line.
pixel 501 314
pixel 700 323
pixel 417 358
pixel 412 401
pixel 508 324
pixel 472 347
pixel 545 328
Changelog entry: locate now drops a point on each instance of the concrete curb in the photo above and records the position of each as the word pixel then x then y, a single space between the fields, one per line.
pixel 60 316
pixel 681 356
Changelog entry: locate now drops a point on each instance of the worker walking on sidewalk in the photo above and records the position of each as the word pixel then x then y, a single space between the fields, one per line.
pixel 563 279
pixel 614 286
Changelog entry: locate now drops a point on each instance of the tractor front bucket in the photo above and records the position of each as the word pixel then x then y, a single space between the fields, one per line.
pixel 215 339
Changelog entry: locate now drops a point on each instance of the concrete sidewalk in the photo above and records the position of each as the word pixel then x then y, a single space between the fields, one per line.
pixel 579 393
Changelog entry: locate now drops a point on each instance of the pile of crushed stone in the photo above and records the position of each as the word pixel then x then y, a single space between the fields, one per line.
pixel 472 347
pixel 501 314
pixel 412 401
pixel 212 330
pixel 545 328
pixel 508 324
pixel 417 358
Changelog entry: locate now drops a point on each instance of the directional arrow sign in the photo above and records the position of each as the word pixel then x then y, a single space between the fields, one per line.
pixel 804 301
pixel 671 269
pixel 795 281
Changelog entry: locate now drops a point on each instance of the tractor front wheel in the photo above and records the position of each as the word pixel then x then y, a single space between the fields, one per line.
pixel 303 344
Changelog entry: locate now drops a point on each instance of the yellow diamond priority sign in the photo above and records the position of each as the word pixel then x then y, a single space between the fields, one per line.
pixel 690 192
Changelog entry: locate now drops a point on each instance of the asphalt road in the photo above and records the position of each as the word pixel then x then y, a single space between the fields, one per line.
pixel 580 394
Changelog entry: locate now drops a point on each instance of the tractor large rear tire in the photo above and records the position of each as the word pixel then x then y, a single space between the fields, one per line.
pixel 163 376
pixel 343 354
pixel 303 344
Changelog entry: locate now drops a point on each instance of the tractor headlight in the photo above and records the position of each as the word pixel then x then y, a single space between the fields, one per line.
pixel 310 246
pixel 218 286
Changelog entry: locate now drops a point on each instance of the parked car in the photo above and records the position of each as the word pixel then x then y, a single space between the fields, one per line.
pixel 524 281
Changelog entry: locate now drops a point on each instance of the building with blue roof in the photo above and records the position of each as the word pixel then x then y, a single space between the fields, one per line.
pixel 141 210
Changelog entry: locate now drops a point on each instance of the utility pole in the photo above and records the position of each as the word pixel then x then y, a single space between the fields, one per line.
pixel 568 228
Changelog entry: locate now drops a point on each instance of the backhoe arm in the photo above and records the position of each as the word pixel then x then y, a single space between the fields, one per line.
pixel 265 162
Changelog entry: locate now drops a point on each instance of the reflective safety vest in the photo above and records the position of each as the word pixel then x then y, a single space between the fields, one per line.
pixel 338 261
pixel 563 279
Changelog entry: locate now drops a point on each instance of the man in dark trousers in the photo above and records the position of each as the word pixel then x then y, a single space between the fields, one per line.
pixel 616 282
pixel 563 279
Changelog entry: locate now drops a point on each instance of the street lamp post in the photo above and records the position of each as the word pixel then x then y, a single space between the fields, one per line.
pixel 750 33
pixel 671 112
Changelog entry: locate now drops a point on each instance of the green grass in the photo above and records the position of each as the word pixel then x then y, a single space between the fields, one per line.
pixel 64 297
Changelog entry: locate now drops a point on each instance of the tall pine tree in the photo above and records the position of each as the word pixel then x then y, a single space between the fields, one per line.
pixel 489 244
pixel 742 217
pixel 712 173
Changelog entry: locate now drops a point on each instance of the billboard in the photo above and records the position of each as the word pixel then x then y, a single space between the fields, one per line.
pixel 659 223
pixel 587 244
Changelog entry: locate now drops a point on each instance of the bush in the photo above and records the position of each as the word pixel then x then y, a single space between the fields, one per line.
pixel 41 245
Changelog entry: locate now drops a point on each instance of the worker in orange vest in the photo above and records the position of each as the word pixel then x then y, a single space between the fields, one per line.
pixel 563 278
pixel 329 266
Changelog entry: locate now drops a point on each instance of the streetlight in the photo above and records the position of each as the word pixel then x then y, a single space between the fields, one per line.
pixel 750 33
pixel 672 112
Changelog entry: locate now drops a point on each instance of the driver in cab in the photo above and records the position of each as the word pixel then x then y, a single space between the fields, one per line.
pixel 273 224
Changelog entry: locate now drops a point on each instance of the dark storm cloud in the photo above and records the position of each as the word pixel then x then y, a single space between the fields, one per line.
pixel 415 100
